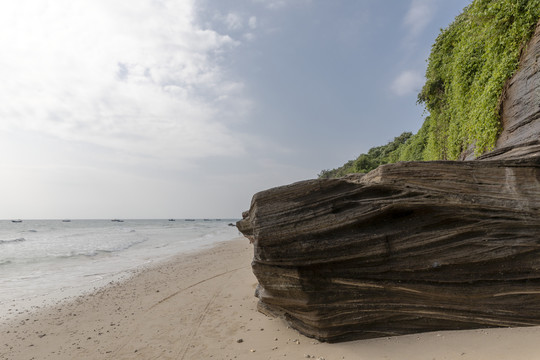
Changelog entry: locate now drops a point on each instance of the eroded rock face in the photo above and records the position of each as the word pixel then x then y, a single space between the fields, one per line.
pixel 521 104
pixel 409 247
pixel 520 109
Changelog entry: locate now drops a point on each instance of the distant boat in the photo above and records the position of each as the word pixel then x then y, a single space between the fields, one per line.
pixel 66 220
pixel 16 221
pixel 207 220
pixel 117 220
pixel 172 219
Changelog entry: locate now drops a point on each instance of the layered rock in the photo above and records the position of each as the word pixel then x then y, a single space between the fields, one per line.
pixel 409 247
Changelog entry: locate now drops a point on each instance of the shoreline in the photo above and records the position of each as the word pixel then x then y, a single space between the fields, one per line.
pixel 201 305
pixel 52 261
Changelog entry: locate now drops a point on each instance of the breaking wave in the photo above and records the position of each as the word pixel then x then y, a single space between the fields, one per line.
pixel 12 241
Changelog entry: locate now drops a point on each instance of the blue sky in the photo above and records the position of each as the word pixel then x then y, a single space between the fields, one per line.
pixel 186 108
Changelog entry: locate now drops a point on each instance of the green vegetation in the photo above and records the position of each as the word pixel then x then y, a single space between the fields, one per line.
pixel 366 162
pixel 467 70
pixel 468 67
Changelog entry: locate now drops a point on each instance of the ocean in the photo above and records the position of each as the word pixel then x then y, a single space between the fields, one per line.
pixel 43 261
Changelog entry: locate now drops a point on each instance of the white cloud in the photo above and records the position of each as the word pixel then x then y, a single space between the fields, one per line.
pixel 272 4
pixel 418 16
pixel 252 22
pixel 249 36
pixel 233 21
pixel 407 82
pixel 279 4
pixel 139 77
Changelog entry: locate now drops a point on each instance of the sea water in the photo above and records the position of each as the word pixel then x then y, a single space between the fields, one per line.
pixel 49 260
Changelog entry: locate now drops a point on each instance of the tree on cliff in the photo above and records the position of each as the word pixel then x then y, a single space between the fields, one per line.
pixel 366 162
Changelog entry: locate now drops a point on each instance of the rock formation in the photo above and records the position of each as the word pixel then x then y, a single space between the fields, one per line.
pixel 410 247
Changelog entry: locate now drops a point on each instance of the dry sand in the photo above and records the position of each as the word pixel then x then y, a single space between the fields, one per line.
pixel 201 306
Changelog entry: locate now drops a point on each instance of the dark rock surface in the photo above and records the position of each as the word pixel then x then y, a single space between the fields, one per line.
pixel 409 247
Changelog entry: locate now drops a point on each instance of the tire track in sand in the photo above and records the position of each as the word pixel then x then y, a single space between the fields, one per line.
pixel 193 285
pixel 199 320
pixel 194 329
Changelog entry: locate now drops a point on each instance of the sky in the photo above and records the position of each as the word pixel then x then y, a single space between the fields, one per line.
pixel 186 108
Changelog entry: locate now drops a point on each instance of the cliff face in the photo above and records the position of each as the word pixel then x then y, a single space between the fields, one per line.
pixel 520 110
pixel 521 106
pixel 414 246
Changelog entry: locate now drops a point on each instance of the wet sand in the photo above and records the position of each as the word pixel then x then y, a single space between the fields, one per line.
pixel 201 306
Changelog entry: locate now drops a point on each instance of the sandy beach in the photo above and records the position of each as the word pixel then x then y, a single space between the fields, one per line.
pixel 202 306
